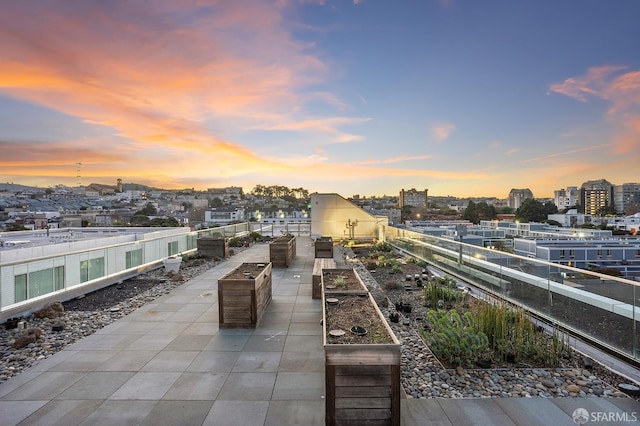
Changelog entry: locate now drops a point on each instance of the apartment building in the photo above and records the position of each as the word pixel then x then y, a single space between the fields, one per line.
pixel 565 198
pixel 596 197
pixel 414 198
pixel 224 215
pixel 621 255
pixel 517 197
pixel 625 195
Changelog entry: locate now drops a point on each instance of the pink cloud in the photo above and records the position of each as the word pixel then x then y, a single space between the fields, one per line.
pixel 621 90
pixel 442 131
pixel 155 75
pixel 324 125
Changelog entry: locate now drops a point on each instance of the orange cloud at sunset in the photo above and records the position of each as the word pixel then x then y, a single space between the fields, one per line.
pixel 621 90
pixel 327 94
pixel 155 85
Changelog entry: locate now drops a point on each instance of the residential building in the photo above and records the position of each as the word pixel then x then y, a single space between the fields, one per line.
pixel 414 198
pixel 517 197
pixel 571 218
pixel 596 197
pixel 625 195
pixel 565 198
pixel 224 215
pixel 630 224
pixel 621 255
pixel 543 230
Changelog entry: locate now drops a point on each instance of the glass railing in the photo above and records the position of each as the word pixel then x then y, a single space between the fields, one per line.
pixel 227 231
pixel 599 308
pixel 264 229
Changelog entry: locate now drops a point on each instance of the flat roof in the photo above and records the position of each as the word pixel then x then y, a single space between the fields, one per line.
pixel 43 237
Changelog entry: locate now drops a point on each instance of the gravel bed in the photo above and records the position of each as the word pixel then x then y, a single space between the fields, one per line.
pixel 423 376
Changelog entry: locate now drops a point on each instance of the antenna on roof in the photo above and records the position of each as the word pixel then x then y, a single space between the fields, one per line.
pixel 78 165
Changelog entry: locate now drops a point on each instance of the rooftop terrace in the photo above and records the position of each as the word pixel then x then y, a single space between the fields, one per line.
pixel 169 363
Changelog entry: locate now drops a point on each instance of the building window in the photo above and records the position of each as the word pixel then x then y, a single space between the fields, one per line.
pixel 561 254
pixel 91 269
pixel 20 287
pixel 192 241
pixel 38 283
pixel 599 253
pixel 58 277
pixel 172 248
pixel 572 254
pixel 133 258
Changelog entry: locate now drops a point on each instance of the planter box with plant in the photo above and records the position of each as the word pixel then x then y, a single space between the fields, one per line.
pixel 282 250
pixel 244 295
pixel 323 247
pixel 362 362
pixel 319 265
pixel 342 281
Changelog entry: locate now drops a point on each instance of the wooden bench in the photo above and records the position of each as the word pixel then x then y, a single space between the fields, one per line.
pixel 318 265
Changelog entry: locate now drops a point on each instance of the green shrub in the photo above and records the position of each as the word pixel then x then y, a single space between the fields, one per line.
pixel 454 338
pixel 511 332
pixel 433 292
pixel 384 246
pixel 235 242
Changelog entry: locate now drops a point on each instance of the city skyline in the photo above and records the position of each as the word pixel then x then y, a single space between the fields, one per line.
pixel 352 97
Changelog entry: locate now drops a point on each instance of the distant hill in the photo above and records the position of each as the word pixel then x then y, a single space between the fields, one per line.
pixel 14 187
pixel 137 187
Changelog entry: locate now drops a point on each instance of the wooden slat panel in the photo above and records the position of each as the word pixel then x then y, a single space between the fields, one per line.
pixel 354 370
pixel 376 355
pixel 235 292
pixel 363 391
pixel 236 309
pixel 362 403
pixel 330 397
pixel 237 319
pixel 369 422
pixel 395 395
pixel 363 414
pixel 237 301
pixel 363 380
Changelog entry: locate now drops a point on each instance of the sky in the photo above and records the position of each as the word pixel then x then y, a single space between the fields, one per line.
pixel 461 97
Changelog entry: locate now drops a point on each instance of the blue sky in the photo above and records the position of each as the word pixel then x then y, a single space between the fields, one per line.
pixel 366 97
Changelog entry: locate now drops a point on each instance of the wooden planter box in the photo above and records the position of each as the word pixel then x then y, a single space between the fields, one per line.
pixel 316 279
pixel 213 247
pixel 342 281
pixel 244 295
pixel 282 250
pixel 362 379
pixel 324 247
